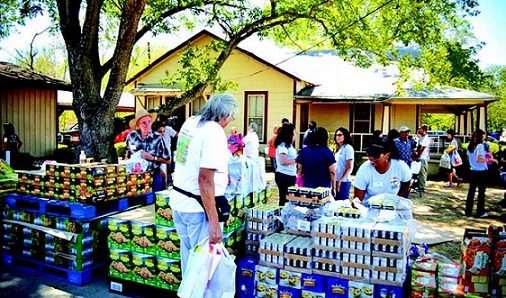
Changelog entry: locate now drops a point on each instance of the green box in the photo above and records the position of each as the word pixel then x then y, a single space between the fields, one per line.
pixel 167 243
pixel 143 237
pixel 121 263
pixel 144 268
pixel 119 233
pixel 168 273
pixel 248 200
pixel 163 212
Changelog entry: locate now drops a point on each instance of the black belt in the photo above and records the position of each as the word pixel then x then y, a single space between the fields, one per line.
pixel 222 206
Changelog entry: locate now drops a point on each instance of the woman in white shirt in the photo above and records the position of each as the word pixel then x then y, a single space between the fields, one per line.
pixel 345 157
pixel 478 174
pixel 286 155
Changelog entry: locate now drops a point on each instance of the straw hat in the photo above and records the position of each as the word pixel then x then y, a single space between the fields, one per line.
pixel 138 115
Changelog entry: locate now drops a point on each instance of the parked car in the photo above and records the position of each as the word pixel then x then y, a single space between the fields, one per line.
pixel 69 137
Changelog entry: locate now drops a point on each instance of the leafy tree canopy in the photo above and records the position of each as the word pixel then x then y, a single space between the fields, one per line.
pixel 100 36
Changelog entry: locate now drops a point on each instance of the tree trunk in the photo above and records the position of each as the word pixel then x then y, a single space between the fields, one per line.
pixel 95 113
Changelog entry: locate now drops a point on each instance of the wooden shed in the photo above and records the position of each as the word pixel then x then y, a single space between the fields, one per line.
pixel 29 101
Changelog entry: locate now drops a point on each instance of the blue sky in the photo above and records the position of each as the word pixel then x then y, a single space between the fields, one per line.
pixel 489 27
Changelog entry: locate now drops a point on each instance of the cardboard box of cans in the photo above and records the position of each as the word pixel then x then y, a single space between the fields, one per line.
pixel 346 248
pixel 59 241
pixel 256 280
pixel 89 183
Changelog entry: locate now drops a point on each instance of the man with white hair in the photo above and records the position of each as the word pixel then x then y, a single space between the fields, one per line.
pixel 198 200
pixel 251 142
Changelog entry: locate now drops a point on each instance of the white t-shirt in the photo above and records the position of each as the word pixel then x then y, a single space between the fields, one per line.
pixel 473 163
pixel 169 133
pixel 291 153
pixel 374 183
pixel 199 146
pixel 251 144
pixel 342 156
pixel 424 142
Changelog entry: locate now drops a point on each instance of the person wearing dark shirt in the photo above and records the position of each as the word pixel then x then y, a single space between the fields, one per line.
pixel 11 143
pixel 404 145
pixel 316 163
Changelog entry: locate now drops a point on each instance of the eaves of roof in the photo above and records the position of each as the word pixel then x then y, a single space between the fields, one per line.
pixel 14 75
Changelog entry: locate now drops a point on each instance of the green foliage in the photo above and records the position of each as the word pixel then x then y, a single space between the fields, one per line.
pixel 120 149
pixel 198 66
pixel 496 115
pixel 439 121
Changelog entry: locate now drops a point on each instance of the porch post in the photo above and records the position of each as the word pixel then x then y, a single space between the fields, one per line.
pixel 469 122
pixel 461 128
pixel 482 118
pixel 385 125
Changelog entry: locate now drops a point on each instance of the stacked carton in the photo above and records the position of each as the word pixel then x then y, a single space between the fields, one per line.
pixel 143 251
pixel 261 222
pixel 88 183
pixel 60 241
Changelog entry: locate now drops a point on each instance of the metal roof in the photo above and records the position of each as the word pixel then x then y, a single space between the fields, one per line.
pixel 336 79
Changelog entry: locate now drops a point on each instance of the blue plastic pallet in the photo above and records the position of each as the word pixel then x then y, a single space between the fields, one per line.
pixel 76 210
pixel 79 278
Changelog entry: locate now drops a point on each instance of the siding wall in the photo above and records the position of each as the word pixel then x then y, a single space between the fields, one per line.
pixel 33 113
pixel 249 74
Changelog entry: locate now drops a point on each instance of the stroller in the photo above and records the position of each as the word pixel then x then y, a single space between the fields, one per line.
pixel 415 184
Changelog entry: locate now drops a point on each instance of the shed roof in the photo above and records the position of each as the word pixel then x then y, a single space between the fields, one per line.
pixel 11 74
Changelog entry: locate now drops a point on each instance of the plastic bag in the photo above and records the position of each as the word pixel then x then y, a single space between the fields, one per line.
pixel 456 159
pixel 444 162
pixel 136 164
pixel 198 271
pixel 415 167
pixel 222 284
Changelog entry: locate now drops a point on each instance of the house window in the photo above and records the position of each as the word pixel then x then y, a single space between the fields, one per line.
pixel 362 118
pixel 197 104
pixel 256 111
pixel 153 102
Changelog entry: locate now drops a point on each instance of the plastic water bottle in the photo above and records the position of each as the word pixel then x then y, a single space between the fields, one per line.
pixel 82 157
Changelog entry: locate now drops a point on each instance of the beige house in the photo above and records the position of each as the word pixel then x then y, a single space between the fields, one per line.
pixel 315 86
pixel 29 101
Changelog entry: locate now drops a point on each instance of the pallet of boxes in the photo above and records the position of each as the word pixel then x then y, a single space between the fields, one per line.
pixel 56 222
pixel 144 245
pixel 330 249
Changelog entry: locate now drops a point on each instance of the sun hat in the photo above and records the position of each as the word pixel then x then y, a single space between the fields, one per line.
pixel 140 114
pixel 404 129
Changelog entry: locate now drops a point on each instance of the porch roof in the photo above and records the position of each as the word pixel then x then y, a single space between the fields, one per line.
pixel 336 80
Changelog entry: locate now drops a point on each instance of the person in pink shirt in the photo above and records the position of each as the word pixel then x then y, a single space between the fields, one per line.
pixel 272 148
